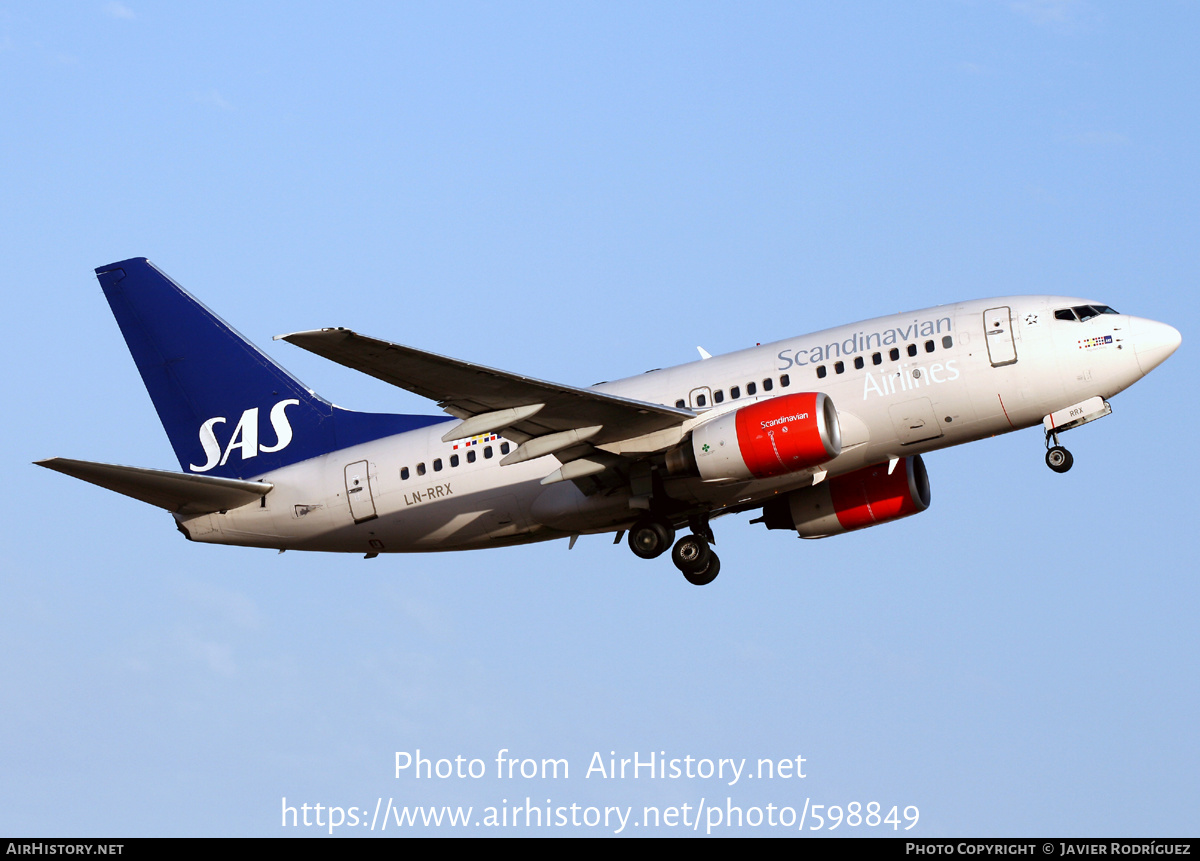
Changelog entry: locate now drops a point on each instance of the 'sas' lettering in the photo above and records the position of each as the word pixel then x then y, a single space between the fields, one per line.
pixel 244 437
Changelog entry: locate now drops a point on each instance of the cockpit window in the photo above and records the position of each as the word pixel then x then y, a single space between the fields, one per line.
pixel 1082 312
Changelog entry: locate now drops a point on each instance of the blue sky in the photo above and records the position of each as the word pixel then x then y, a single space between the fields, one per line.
pixel 580 192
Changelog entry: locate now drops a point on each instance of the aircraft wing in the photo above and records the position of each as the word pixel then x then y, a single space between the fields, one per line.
pixel 501 400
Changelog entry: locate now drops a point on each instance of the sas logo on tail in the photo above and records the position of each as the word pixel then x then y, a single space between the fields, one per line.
pixel 245 436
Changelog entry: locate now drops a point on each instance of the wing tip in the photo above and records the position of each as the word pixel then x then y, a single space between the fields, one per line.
pixel 294 337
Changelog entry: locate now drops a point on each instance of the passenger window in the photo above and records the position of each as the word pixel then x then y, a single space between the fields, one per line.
pixel 912 349
pixel 877 358
pixel 487 452
pixel 718 396
pixel 421 468
pixel 894 354
pixel 858 363
pixel 437 465
pixel 503 448
pixel 403 474
pixel 453 461
pixel 681 404
pixel 735 392
pixel 768 384
pixel 470 455
pixel 839 367
pixel 751 389
pixel 785 381
pixel 701 401
pixel 929 347
pixel 821 372
pixel 947 341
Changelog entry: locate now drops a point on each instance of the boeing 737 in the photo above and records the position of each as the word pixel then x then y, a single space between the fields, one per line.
pixel 822 434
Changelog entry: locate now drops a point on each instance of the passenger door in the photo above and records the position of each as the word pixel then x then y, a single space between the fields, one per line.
pixel 358 491
pixel 998 328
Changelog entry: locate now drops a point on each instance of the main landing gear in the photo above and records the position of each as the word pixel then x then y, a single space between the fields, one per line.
pixel 695 558
pixel 651 536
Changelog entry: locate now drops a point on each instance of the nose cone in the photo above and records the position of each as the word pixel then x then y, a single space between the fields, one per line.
pixel 1153 343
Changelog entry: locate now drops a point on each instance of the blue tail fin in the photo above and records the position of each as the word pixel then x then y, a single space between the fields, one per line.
pixel 228 410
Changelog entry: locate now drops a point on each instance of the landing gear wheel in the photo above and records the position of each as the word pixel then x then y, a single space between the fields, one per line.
pixel 650 537
pixel 1059 459
pixel 707 575
pixel 691 554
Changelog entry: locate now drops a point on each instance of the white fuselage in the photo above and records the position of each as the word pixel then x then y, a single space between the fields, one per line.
pixel 902 385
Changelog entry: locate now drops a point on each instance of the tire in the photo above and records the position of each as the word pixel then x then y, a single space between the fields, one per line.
pixel 706 576
pixel 1059 459
pixel 650 538
pixel 691 554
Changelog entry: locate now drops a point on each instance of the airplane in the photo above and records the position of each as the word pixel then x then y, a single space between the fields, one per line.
pixel 268 463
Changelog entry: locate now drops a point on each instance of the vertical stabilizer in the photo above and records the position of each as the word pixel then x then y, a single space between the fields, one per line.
pixel 228 410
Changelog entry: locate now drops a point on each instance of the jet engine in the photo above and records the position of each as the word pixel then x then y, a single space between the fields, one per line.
pixel 763 439
pixel 856 500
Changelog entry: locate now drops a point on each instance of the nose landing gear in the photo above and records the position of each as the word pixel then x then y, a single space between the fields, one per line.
pixel 1059 459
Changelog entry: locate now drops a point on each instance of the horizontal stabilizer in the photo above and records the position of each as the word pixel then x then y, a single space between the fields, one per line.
pixel 176 492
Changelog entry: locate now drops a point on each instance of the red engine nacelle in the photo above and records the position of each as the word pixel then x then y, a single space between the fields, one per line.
pixel 858 499
pixel 768 438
